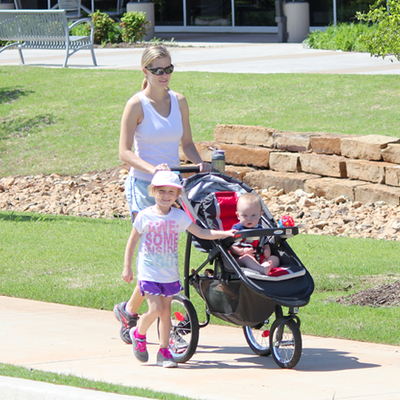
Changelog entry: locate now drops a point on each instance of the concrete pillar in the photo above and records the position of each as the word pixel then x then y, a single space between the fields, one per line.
pixel 298 20
pixel 148 9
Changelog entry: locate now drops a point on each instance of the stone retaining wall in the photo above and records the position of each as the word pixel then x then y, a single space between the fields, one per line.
pixel 362 168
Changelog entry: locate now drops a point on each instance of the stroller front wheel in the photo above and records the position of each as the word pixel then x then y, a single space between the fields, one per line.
pixel 257 338
pixel 285 342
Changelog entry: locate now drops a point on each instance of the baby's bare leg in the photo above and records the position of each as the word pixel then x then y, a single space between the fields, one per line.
pixel 267 251
pixel 247 261
pixel 271 262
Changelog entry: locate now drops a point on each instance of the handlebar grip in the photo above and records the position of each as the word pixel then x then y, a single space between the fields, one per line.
pixel 188 169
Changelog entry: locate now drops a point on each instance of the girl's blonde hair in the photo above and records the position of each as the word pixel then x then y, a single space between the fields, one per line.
pixel 153 190
pixel 149 55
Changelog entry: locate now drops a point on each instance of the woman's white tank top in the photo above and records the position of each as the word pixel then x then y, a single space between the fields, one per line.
pixel 157 138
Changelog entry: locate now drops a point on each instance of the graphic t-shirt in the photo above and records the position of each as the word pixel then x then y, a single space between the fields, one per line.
pixel 157 259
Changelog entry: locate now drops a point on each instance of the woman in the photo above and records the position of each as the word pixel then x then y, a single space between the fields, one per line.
pixel 155 121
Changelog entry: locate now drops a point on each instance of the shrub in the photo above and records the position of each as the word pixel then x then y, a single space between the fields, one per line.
pixel 385 15
pixel 345 37
pixel 134 26
pixel 80 30
pixel 104 27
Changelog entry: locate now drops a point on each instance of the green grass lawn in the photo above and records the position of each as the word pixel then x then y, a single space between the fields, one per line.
pixel 67 121
pixel 78 261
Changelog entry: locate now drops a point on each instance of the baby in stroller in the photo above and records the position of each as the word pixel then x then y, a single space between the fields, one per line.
pixel 253 254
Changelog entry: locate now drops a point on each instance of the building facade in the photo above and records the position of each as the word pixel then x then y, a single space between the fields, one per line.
pixel 245 15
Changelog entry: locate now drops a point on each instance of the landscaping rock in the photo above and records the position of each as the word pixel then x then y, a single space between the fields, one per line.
pixel 249 135
pixel 363 170
pixel 320 164
pixel 326 144
pixel 292 141
pixel 392 153
pixel 101 195
pixel 366 147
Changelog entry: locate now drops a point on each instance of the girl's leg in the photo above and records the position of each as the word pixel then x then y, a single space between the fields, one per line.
pixel 165 322
pixel 138 335
pixel 164 356
pixel 155 304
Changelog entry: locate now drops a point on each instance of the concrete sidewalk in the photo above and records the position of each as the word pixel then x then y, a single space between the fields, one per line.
pixel 220 53
pixel 86 343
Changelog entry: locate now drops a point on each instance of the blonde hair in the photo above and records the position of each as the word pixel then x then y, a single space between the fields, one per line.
pixel 249 199
pixel 149 55
pixel 153 190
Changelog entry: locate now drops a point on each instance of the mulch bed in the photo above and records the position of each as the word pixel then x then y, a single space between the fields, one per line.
pixel 380 296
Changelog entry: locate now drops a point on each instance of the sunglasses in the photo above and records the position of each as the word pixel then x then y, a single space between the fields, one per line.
pixel 161 71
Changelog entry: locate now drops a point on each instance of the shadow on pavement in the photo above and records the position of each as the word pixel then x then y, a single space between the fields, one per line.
pixel 312 359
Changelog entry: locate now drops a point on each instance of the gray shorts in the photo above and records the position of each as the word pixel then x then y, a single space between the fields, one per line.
pixel 137 195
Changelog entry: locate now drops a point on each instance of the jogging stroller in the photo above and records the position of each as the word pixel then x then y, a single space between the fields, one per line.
pixel 234 294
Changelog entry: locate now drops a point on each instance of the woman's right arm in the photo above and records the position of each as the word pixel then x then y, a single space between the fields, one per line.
pixel 131 118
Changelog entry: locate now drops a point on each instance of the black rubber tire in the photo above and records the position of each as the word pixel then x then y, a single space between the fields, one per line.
pixel 188 329
pixel 285 343
pixel 257 338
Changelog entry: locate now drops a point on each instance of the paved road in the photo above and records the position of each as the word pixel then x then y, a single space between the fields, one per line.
pixel 86 343
pixel 222 53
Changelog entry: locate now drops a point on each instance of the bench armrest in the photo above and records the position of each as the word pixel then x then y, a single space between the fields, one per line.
pixel 82 21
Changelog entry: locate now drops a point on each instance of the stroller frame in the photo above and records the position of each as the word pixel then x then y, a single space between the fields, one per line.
pixel 233 295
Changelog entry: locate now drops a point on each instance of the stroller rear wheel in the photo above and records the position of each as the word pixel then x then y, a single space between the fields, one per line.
pixel 185 329
pixel 285 342
pixel 257 338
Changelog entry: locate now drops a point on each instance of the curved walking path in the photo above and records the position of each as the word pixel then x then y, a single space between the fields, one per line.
pixel 85 342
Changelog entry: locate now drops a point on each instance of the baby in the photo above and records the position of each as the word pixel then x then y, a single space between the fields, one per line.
pixel 248 211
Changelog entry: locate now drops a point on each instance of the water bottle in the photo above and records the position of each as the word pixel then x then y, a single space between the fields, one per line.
pixel 218 161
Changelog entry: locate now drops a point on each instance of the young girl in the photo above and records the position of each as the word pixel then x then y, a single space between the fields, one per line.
pixel 157 228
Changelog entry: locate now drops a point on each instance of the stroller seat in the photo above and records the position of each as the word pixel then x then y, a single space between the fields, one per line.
pixel 218 211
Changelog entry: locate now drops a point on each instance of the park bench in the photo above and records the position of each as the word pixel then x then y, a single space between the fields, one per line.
pixel 43 30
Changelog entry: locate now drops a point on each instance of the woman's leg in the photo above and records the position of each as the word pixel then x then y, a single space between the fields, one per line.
pixel 135 301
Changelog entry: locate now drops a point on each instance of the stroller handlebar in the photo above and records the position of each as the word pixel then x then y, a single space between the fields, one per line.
pixel 283 233
pixel 187 169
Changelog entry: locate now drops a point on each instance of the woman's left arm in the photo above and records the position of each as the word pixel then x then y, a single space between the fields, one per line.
pixel 187 143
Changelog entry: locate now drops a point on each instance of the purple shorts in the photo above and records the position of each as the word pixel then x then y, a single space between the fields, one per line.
pixel 160 289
